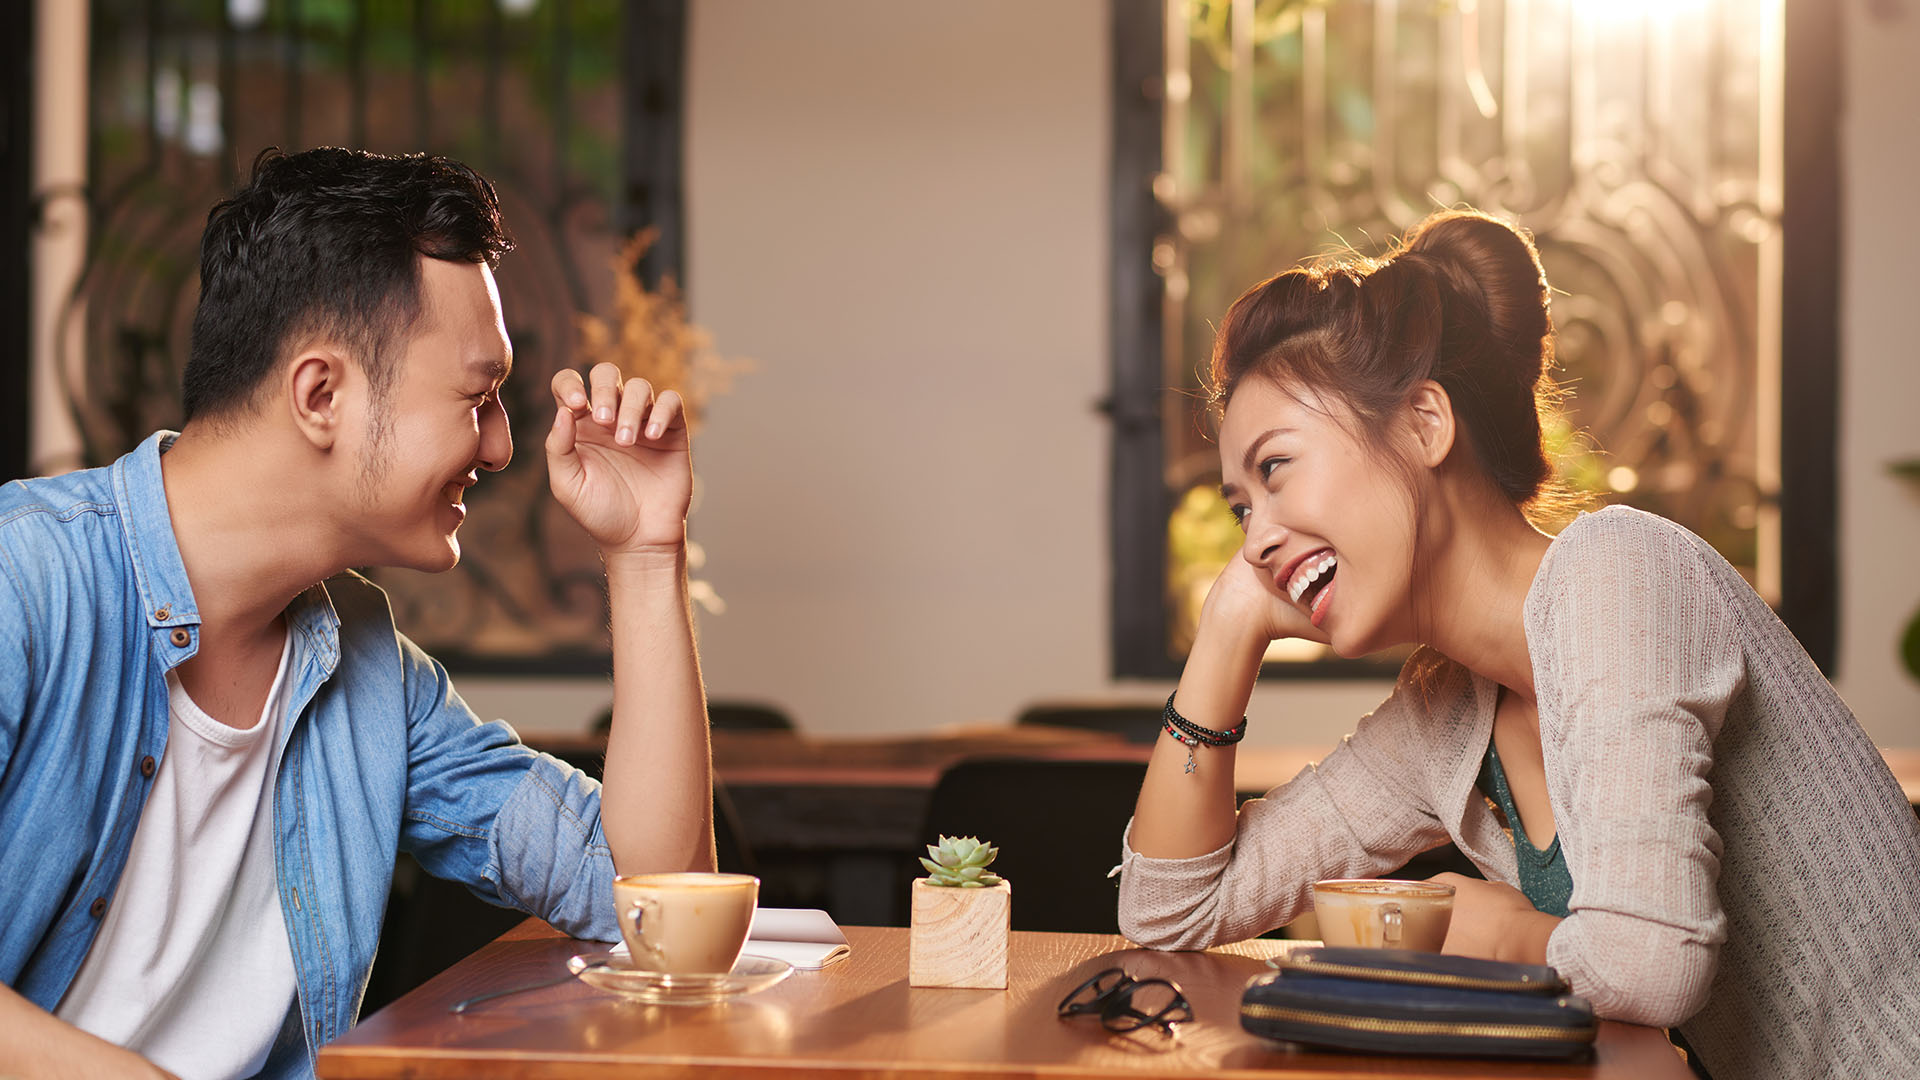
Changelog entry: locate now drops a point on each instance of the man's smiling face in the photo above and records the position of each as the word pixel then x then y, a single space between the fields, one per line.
pixel 440 423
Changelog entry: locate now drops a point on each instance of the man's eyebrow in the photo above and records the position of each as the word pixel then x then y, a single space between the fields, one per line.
pixel 1253 448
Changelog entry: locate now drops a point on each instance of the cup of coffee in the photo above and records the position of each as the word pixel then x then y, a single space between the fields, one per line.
pixel 1383 913
pixel 685 923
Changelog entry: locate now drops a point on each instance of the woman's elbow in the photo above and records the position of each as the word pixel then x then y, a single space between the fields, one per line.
pixel 1659 987
pixel 1163 934
pixel 1166 928
pixel 1660 1006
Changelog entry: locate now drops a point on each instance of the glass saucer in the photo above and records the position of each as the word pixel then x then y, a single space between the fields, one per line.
pixel 615 973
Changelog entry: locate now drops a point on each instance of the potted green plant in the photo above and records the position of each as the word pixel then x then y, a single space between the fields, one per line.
pixel 961 917
pixel 1910 639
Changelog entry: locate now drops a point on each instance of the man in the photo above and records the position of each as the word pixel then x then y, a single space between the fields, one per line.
pixel 207 760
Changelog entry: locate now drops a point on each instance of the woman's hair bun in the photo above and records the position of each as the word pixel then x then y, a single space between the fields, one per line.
pixel 1488 268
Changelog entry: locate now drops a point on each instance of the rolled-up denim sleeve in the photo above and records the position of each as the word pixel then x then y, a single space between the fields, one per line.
pixel 519 828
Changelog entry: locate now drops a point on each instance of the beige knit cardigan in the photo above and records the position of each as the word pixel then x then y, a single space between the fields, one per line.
pixel 1745 867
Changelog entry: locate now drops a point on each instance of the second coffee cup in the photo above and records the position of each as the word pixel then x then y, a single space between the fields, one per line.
pixel 686 923
pixel 1383 913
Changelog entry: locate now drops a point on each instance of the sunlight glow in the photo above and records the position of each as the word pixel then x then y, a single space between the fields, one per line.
pixel 1620 11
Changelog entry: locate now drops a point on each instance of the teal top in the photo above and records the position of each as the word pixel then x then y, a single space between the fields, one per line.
pixel 1544 876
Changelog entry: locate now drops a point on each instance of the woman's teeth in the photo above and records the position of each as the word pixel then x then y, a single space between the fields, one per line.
pixel 1304 578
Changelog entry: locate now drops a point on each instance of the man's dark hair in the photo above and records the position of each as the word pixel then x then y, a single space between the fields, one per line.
pixel 324 243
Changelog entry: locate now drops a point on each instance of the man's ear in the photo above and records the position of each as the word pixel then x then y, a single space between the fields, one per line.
pixel 315 395
pixel 1431 411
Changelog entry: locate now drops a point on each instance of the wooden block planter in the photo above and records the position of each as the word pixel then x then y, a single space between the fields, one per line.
pixel 959 936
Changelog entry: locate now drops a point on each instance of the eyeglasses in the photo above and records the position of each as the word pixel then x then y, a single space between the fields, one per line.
pixel 1125 1003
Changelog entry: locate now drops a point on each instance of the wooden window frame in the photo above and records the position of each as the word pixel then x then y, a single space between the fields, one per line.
pixel 1810 348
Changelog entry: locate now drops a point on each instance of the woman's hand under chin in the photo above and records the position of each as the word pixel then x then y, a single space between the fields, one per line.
pixel 1241 600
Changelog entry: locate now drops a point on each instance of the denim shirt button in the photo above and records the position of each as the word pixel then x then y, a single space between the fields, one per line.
pixel 98 907
pixel 180 637
pixel 146 766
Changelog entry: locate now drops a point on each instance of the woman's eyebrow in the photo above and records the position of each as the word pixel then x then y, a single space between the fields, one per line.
pixel 1253 448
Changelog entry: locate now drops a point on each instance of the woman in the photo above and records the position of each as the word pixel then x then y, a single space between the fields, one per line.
pixel 1706 838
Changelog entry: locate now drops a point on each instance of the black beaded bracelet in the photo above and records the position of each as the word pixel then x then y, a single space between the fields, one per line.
pixel 1192 735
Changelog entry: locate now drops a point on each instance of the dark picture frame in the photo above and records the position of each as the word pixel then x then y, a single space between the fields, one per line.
pixel 574 109
pixel 17 216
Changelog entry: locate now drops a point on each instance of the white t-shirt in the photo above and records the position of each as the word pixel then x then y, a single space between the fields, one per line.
pixel 192 969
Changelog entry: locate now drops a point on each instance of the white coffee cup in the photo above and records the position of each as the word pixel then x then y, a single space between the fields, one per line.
pixel 1383 913
pixel 686 923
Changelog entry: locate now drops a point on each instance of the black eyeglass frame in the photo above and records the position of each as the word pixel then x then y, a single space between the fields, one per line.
pixel 1114 1003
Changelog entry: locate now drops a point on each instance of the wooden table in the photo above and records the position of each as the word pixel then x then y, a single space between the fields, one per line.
pixel 858 1020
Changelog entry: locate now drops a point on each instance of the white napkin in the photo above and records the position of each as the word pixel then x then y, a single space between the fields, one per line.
pixel 807 938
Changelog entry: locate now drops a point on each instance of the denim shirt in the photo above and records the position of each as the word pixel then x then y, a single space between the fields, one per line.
pixel 380 755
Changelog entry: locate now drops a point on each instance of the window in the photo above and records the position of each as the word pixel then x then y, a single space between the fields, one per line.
pixel 1650 148
pixel 571 107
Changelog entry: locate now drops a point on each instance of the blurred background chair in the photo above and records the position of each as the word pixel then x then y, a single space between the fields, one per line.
pixel 1136 723
pixel 1058 825
pixel 723 715
pixel 747 716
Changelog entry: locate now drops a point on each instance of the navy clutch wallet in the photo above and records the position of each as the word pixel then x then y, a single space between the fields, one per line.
pixel 1392 1001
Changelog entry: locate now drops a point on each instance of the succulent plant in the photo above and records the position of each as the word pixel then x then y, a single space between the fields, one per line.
pixel 961 862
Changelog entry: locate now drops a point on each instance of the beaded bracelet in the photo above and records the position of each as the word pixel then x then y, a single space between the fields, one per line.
pixel 1192 735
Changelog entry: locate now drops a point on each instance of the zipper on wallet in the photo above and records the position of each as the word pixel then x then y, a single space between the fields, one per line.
pixel 1418 978
pixel 1460 1029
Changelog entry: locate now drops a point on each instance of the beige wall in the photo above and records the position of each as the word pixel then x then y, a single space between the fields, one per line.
pixel 1880 369
pixel 900 211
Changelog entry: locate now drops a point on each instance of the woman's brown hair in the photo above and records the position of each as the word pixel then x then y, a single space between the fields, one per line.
pixel 1462 300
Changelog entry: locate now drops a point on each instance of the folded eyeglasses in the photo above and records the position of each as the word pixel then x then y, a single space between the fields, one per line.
pixel 1124 1003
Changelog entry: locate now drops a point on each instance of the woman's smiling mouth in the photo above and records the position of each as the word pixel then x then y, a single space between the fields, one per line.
pixel 1311 569
pixel 1309 582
